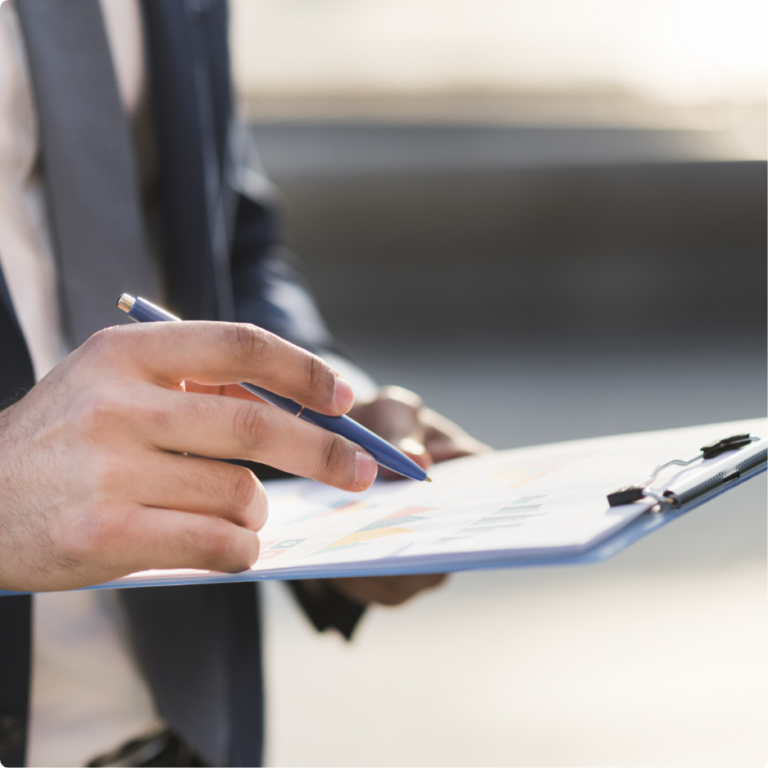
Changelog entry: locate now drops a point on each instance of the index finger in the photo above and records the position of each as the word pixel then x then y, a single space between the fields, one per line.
pixel 217 354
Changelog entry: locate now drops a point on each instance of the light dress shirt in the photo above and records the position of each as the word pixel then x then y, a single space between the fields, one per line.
pixel 88 695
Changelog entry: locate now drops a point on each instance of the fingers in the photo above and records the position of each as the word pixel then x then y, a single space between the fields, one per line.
pixel 160 538
pixel 223 353
pixel 394 415
pixel 386 590
pixel 229 428
pixel 397 589
pixel 415 451
pixel 198 485
pixel 446 440
pixel 400 417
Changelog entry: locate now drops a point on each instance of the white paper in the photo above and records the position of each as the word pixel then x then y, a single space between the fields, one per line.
pixel 545 501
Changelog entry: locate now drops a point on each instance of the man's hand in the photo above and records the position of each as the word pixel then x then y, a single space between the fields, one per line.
pixel 101 464
pixel 385 590
pixel 399 416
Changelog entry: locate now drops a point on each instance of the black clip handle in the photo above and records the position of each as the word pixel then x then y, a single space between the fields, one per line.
pixel 727 444
pixel 626 495
pixel 632 493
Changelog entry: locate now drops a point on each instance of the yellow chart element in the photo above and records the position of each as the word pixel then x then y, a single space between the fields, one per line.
pixel 361 536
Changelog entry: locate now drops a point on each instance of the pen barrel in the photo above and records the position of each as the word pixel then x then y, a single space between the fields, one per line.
pixel 283 403
pixel 143 311
pixel 385 454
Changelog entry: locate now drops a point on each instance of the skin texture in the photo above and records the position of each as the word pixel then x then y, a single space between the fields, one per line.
pixel 94 483
pixel 399 416
pixel 102 470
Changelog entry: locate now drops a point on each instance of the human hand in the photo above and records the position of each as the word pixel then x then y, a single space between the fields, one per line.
pixel 385 590
pixel 400 417
pixel 101 463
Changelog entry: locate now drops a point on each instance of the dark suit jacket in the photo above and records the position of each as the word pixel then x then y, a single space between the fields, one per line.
pixel 199 646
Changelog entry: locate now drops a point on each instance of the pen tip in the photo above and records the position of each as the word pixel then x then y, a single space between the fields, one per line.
pixel 428 479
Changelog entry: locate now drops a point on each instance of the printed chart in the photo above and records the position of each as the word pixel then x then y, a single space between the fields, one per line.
pixel 542 502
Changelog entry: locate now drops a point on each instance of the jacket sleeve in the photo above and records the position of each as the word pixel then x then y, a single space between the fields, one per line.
pixel 269 287
pixel 325 607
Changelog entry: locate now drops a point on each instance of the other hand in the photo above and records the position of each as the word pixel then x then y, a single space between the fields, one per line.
pixel 385 590
pixel 399 416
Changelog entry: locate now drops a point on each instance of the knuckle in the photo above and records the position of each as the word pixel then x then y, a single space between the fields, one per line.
pixel 108 408
pixel 230 549
pixel 261 510
pixel 106 343
pixel 103 474
pixel 247 498
pixel 248 424
pixel 100 341
pixel 95 409
pixel 96 534
pixel 242 488
pixel 400 395
pixel 250 341
pixel 318 375
pixel 335 454
pixel 217 544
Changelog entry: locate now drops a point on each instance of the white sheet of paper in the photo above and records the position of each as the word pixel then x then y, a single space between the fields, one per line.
pixel 547 500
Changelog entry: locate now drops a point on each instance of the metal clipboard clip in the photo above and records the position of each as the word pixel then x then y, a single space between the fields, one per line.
pixel 749 452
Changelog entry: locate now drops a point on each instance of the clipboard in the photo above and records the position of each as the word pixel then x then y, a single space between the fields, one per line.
pixel 733 454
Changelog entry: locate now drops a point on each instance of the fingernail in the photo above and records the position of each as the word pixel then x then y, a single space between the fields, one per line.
pixel 344 396
pixel 365 469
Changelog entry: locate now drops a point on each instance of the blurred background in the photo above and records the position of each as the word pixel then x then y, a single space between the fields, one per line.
pixel 548 217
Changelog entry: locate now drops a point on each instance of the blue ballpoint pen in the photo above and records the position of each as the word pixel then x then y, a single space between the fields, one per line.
pixel 142 311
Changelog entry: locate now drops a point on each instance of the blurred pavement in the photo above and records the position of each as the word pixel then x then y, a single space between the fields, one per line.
pixel 654 658
pixel 549 219
pixel 540 301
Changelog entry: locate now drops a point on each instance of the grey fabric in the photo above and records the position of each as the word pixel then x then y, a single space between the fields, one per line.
pixel 88 163
pixel 199 647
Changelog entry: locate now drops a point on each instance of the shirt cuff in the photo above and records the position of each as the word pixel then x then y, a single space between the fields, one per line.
pixel 325 607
